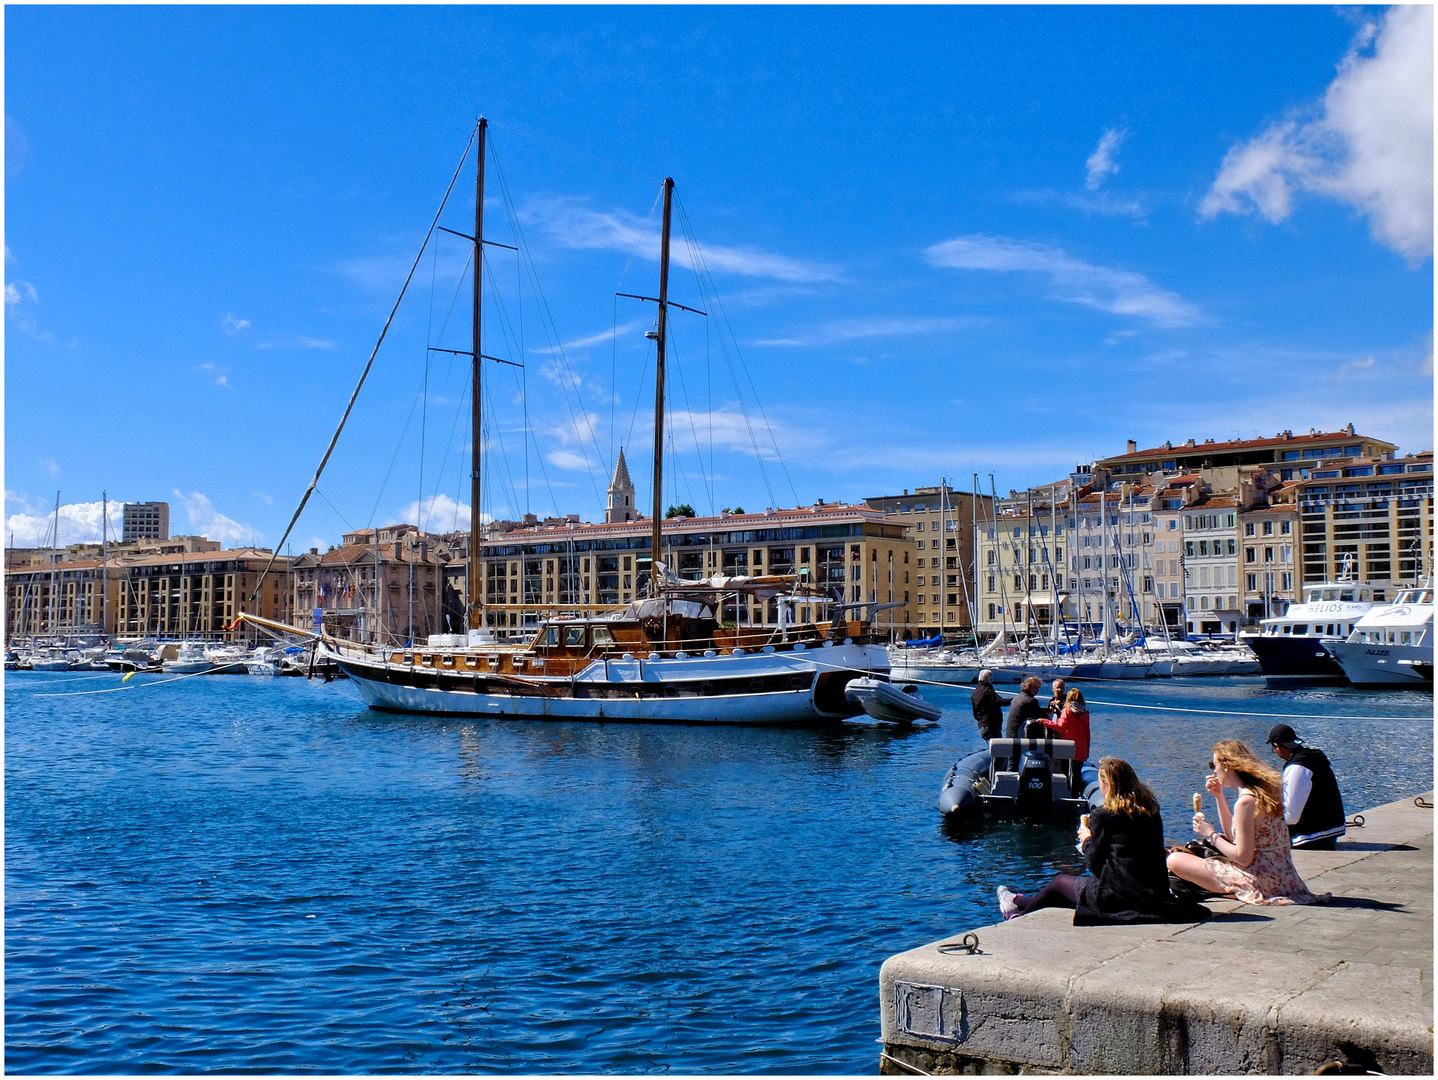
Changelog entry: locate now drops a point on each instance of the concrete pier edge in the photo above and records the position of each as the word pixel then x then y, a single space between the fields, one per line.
pixel 1253 990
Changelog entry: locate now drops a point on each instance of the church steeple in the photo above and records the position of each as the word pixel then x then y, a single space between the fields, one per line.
pixel 621 493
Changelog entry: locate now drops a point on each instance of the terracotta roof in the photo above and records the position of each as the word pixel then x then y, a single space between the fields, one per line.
pixel 791 516
pixel 1245 444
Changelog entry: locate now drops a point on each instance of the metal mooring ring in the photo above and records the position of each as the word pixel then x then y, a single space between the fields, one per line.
pixel 1356 822
pixel 968 945
pixel 1422 803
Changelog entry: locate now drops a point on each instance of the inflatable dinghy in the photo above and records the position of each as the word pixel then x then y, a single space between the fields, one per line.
pixel 1022 779
pixel 884 701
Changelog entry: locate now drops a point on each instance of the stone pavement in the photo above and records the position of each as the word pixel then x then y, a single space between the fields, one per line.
pixel 1253 990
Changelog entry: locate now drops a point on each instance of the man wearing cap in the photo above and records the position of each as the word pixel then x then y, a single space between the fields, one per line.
pixel 1312 805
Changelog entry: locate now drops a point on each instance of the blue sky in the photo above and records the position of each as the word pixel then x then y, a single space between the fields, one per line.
pixel 943 241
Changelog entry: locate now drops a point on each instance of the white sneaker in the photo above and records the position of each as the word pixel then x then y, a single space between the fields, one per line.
pixel 1008 902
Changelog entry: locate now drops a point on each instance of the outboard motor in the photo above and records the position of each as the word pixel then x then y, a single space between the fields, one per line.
pixel 1035 797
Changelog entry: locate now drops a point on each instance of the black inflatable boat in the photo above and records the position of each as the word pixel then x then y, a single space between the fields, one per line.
pixel 1022 779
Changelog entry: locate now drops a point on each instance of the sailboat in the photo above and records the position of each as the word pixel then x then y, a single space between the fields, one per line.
pixel 663 658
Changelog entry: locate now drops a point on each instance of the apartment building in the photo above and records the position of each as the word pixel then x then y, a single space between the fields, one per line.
pixel 390 589
pixel 853 553
pixel 1021 566
pixel 1369 516
pixel 939 520
pixel 1268 556
pixel 174 594
pixel 1285 451
pixel 145 521
pixel 1209 536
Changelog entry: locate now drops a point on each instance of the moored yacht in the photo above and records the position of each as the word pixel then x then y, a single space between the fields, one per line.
pixel 666 657
pixel 1291 648
pixel 1391 645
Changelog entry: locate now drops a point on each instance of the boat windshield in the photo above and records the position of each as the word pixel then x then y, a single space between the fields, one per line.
pixel 1345 594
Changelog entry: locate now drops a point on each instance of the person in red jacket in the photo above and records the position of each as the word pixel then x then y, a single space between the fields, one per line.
pixel 1072 723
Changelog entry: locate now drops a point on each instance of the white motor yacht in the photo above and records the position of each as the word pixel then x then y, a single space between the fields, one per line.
pixel 191 660
pixel 1391 645
pixel 1292 647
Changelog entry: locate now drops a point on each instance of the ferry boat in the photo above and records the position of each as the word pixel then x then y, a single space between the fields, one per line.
pixel 663 658
pixel 1292 648
pixel 1391 645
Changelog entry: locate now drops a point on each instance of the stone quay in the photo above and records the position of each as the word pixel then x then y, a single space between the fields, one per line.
pixel 1253 990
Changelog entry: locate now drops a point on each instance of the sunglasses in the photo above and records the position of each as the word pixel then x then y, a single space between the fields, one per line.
pixel 1211 765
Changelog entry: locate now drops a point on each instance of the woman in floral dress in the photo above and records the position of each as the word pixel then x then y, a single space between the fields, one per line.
pixel 1257 867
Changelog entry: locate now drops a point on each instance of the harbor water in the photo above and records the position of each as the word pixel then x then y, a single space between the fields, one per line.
pixel 246 874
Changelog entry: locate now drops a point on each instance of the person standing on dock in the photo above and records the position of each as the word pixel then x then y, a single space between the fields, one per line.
pixel 988 707
pixel 1312 804
pixel 1023 708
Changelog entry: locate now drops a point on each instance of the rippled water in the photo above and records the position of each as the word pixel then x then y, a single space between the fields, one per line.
pixel 245 874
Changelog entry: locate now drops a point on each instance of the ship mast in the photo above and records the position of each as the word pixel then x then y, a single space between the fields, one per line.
pixel 659 393
pixel 475 581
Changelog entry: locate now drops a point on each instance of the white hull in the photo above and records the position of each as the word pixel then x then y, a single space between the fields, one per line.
pixel 186 667
pixel 1384 665
pixel 670 690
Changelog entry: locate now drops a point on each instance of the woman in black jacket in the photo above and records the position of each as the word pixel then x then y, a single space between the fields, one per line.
pixel 1123 846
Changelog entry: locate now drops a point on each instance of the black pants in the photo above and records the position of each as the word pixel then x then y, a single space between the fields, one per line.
pixel 1062 891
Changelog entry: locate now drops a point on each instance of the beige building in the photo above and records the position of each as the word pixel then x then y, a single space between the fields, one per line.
pixel 1268 556
pixel 1371 515
pixel 852 553
pixel 174 594
pixel 381 585
pixel 940 522
pixel 1284 452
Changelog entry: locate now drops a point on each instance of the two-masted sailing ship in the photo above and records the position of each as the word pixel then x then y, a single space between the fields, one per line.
pixel 665 657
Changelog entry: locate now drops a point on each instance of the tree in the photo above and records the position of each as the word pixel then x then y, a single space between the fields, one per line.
pixel 682 510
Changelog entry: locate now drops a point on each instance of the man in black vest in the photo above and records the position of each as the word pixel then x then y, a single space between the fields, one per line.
pixel 1312 805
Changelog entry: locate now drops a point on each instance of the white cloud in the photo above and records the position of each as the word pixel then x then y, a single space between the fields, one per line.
pixel 567 459
pixel 1368 143
pixel 217 373
pixel 730 431
pixel 1101 164
pixel 50 465
pixel 233 324
pixel 604 337
pixel 1103 203
pixel 296 343
pixel 560 374
pixel 842 330
pixel 573 224
pixel 205 520
pixel 437 514
pixel 1121 292
pixel 20 299
pixel 574 432
pixel 79 522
